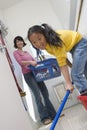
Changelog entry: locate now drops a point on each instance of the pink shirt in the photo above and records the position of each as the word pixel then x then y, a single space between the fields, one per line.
pixel 23 56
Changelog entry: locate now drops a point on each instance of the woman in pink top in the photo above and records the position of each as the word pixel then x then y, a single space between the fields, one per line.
pixel 46 110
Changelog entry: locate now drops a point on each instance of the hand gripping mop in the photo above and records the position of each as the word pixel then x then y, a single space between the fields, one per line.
pixel 59 110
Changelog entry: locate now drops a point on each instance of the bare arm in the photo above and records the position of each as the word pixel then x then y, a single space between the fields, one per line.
pixel 65 72
pixel 24 62
pixel 33 63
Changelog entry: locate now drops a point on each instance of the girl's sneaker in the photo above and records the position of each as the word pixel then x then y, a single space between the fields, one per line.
pixel 83 93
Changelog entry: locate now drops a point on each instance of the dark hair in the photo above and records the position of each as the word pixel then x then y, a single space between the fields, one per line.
pixel 51 36
pixel 38 51
pixel 19 38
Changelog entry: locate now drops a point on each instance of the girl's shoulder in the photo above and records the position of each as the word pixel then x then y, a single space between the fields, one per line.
pixel 63 31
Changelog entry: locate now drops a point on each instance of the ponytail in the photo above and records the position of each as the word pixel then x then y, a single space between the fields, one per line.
pixel 52 37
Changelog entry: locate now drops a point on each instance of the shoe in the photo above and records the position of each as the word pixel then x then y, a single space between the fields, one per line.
pixel 47 121
pixel 83 93
pixel 22 93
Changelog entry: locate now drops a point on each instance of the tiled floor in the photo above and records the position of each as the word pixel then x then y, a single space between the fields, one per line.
pixel 75 118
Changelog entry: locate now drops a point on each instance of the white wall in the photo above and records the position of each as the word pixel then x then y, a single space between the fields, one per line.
pixel 12 112
pixel 65 10
pixel 62 11
pixel 73 10
pixel 28 12
pixel 1 15
pixel 83 19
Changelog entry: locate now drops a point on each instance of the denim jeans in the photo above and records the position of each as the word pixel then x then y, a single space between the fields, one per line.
pixel 46 109
pixel 79 65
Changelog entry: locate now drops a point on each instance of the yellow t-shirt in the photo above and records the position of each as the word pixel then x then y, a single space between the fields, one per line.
pixel 70 39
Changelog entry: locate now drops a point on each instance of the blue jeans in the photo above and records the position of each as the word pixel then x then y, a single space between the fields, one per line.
pixel 79 65
pixel 45 110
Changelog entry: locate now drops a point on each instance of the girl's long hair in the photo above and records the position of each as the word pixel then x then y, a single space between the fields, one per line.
pixel 51 36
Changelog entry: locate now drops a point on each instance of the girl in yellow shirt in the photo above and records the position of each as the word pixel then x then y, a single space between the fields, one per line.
pixel 58 44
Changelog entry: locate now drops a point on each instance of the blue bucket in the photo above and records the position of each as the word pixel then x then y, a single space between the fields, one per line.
pixel 46 69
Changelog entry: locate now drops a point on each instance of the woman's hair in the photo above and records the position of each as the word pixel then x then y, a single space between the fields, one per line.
pixel 51 36
pixel 19 38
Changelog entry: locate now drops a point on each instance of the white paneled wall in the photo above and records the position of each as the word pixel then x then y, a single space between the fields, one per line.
pixel 83 19
pixel 65 10
pixel 12 112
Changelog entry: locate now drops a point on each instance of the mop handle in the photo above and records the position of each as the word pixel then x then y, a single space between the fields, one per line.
pixel 60 110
